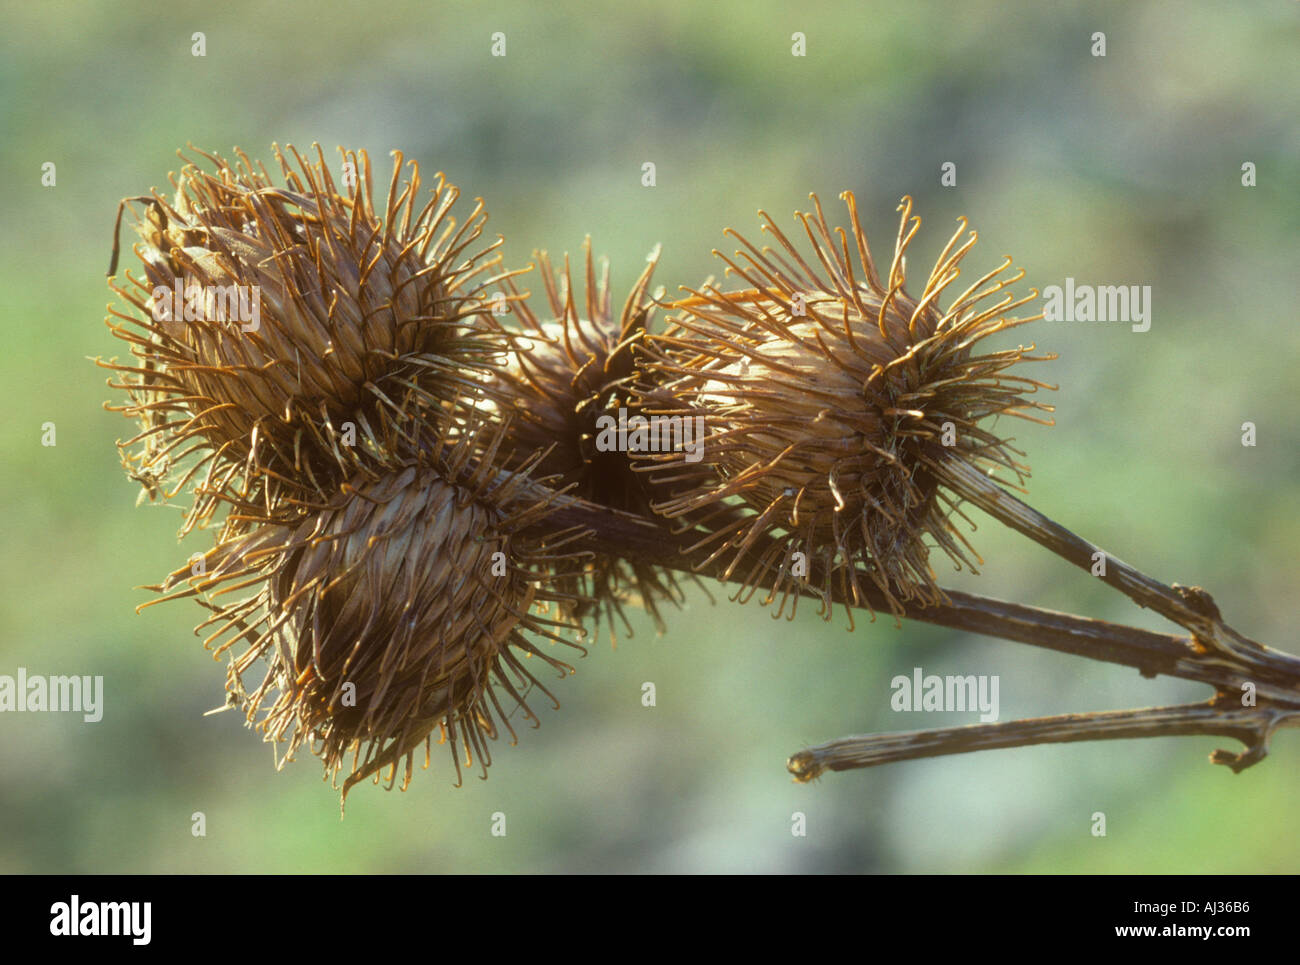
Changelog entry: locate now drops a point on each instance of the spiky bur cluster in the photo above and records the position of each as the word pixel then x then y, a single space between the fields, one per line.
pixel 339 424
pixel 286 335
pixel 566 382
pixel 834 402
pixel 330 376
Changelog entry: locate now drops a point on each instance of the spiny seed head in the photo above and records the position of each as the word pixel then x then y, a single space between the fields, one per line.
pixel 570 367
pixel 833 400
pixel 295 328
pixel 392 612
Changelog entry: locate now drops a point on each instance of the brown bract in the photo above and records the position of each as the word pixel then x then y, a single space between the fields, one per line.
pixel 287 335
pixel 833 399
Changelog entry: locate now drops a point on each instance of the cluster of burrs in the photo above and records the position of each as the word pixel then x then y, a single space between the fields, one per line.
pixel 376 426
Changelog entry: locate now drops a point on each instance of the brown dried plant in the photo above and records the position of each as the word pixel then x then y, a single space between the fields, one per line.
pixel 414 497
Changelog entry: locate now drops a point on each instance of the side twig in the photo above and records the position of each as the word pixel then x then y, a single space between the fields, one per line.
pixel 1253 726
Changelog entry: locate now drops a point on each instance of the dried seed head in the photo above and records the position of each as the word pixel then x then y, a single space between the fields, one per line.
pixel 296 329
pixel 569 366
pixel 393 612
pixel 568 369
pixel 833 400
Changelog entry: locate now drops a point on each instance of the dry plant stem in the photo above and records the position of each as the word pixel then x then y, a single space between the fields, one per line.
pixel 1189 607
pixel 1214 654
pixel 1277 675
pixel 1251 725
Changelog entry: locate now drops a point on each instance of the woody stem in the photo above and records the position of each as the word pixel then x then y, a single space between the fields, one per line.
pixel 1188 606
pixel 1214 654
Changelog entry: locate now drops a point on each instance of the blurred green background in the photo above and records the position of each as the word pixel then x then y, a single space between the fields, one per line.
pixel 1117 170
